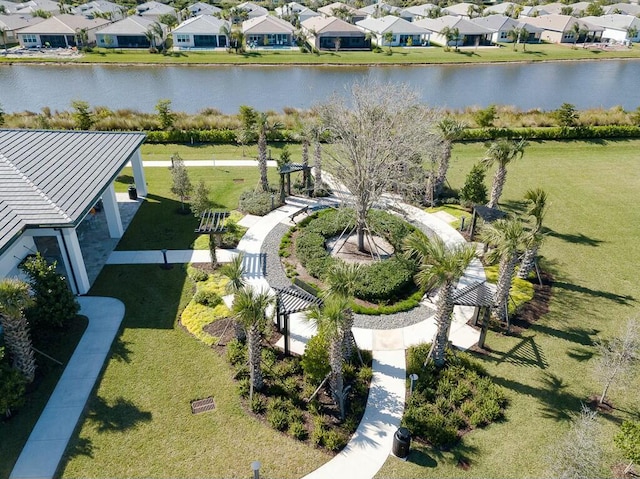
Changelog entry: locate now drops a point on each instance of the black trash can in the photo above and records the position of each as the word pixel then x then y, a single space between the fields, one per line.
pixel 133 192
pixel 401 443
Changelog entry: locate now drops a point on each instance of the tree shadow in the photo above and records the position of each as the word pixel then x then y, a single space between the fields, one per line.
pixel 534 53
pixel 579 238
pixel 120 350
pixel 122 415
pixel 580 354
pixel 582 336
pixel 83 446
pixel 574 288
pixel 558 404
pixel 518 207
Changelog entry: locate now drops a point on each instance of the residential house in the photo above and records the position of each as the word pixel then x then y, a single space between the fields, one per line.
pixel 7 7
pixel 295 13
pixel 11 24
pixel 100 9
pixel 154 10
pixel 334 34
pixel 203 31
pixel 560 29
pixel 514 10
pixel 463 9
pixel 200 8
pixel 130 32
pixel 624 8
pixel 616 27
pixel 501 25
pixel 50 183
pixel 61 31
pixel 418 12
pixel 253 10
pixel 401 32
pixel 380 9
pixel 268 31
pixel 343 12
pixel 469 33
pixel 32 6
pixel 558 8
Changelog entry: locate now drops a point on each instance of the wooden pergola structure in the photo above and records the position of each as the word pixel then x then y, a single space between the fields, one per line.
pixel 482 296
pixel 285 178
pixel 290 300
pixel 214 224
pixel 488 215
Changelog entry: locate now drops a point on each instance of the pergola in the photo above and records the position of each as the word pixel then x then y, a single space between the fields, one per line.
pixel 285 178
pixel 213 223
pixel 482 296
pixel 290 300
pixel 488 215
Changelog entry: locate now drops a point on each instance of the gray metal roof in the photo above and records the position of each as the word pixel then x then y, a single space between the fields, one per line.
pixel 480 293
pixel 52 178
pixel 294 300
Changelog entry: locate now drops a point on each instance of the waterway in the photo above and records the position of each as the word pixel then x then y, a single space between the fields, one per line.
pixel 593 84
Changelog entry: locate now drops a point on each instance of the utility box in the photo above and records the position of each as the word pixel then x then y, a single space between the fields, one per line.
pixel 401 443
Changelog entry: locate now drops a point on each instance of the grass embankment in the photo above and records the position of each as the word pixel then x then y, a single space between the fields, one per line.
pixel 416 55
pixel 158 224
pixel 590 250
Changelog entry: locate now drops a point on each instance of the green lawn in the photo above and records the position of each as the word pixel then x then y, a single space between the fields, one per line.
pixel 163 152
pixel 159 223
pixel 535 52
pixel 139 421
pixel 591 249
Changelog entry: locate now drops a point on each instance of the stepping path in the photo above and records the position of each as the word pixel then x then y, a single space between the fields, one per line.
pixel 43 451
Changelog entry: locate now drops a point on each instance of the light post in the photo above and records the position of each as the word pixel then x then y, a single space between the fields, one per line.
pixel 255 467
pixel 273 197
pixel 413 377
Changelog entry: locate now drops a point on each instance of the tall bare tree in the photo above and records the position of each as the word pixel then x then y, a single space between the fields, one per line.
pixel 381 129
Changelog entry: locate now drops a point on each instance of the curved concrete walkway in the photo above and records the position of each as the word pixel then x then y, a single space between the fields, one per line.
pixel 43 451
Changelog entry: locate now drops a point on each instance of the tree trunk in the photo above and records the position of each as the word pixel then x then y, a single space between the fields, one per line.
pixel 337 380
pixel 18 342
pixel 348 339
pixel 305 164
pixel 444 309
pixel 254 340
pixel 496 187
pixel 528 262
pixel 443 168
pixel 212 250
pixel 505 276
pixel 317 167
pixel 262 160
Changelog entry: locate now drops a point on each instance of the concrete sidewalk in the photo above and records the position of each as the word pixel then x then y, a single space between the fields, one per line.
pixel 210 163
pixel 43 451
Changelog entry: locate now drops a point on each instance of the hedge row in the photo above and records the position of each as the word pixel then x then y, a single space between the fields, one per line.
pixel 211 136
pixel 552 133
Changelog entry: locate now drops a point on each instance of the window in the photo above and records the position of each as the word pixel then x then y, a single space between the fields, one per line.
pixel 182 38
pixel 29 38
pixel 503 35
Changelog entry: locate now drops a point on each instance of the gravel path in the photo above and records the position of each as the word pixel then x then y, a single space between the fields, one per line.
pixel 276 277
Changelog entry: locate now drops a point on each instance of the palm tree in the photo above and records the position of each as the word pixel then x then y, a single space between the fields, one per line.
pixel 443 267
pixel 450 130
pixel 501 152
pixel 234 270
pixel 330 321
pixel 3 35
pixel 507 237
pixel 250 309
pixel 343 279
pixel 159 33
pixel 151 37
pixel 14 299
pixel 516 34
pixel 264 127
pixel 578 30
pixel 450 35
pixel 537 199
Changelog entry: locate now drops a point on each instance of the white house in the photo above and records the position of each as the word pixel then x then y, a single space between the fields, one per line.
pixel 268 31
pixel 343 12
pixel 203 31
pixel 129 32
pixel 200 8
pixel 51 181
pixel 501 25
pixel 253 10
pixel 401 32
pixel 418 12
pixel 293 10
pixel 60 31
pixel 100 8
pixel 380 9
pixel 616 27
pixel 154 10
pixel 469 33
pixel 560 28
pixel 10 25
pixel 624 8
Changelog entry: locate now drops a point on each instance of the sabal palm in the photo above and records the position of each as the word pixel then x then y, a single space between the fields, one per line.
pixel 537 209
pixel 330 321
pixel 233 271
pixel 507 237
pixel 264 127
pixel 450 130
pixel 14 299
pixel 501 152
pixel 442 267
pixel 250 308
pixel 342 280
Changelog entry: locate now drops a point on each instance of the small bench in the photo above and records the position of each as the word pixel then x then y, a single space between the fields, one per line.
pixel 293 215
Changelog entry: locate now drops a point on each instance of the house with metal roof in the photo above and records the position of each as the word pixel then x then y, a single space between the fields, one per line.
pixel 129 32
pixel 60 31
pixel 617 28
pixel 100 8
pixel 469 33
pixel 401 32
pixel 203 31
pixel 501 26
pixel 560 29
pixel 50 182
pixel 334 34
pixel 10 25
pixel 268 31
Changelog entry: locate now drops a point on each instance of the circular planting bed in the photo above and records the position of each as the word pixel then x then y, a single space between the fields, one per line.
pixel 313 246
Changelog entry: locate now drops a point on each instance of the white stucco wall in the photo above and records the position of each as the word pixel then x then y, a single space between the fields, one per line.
pixel 11 258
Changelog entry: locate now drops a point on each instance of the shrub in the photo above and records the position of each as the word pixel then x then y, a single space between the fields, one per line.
pixel 196 274
pixel 474 191
pixel 386 280
pixel 486 117
pixel 287 367
pixel 12 387
pixel 298 430
pixel 429 423
pixel 244 387
pixel 317 434
pixel 278 419
pixel 315 360
pixel 334 440
pixel 207 298
pixel 236 352
pixel 255 202
pixel 258 404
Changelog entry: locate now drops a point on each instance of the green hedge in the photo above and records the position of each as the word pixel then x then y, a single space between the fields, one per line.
pixel 552 133
pixel 211 136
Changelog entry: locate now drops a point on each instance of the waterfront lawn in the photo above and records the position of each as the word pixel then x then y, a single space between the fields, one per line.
pixel 590 249
pixel 163 152
pixel 415 55
pixel 160 224
pixel 139 422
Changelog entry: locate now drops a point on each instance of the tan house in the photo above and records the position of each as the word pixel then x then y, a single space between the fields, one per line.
pixel 334 34
pixel 61 31
pixel 343 12
pixel 562 29
pixel 268 31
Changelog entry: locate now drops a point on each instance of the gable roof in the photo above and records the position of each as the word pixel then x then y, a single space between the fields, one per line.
pixel 331 26
pixel 393 24
pixel 266 24
pixel 64 24
pixel 560 23
pixel 615 21
pixel 499 23
pixel 327 10
pixel 252 9
pixel 200 8
pixel 465 26
pixel 628 8
pixel 201 24
pixel 379 8
pixel 154 8
pixel 97 6
pixel 419 10
pixel 52 178
pixel 460 9
pixel 133 25
pixel 15 22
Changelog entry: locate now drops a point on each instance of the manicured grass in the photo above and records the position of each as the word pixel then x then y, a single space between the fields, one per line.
pixel 418 55
pixel 15 431
pixel 160 224
pixel 215 152
pixel 139 421
pixel 591 248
